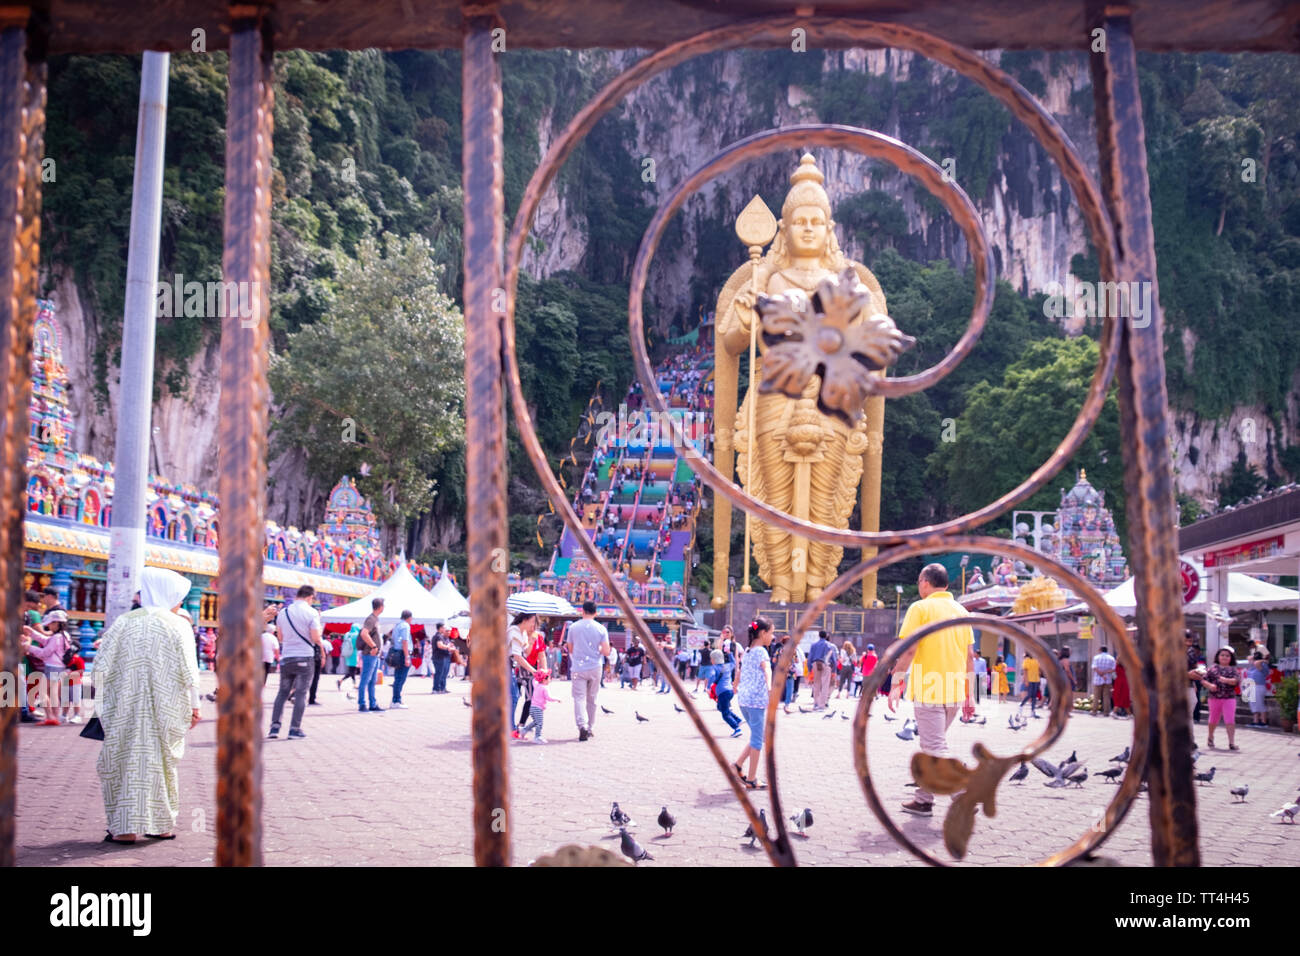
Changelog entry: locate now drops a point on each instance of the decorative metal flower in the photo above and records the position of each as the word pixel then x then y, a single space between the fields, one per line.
pixel 974 788
pixel 824 336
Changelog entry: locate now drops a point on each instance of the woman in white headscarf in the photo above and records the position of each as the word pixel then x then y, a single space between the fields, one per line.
pixel 147 697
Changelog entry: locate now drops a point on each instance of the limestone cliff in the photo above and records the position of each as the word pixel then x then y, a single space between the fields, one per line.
pixel 678 121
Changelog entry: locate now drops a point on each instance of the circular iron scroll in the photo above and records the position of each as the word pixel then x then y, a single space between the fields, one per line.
pixel 1127 652
pixel 869 143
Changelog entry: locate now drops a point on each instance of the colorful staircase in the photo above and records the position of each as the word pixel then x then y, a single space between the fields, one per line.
pixel 639 500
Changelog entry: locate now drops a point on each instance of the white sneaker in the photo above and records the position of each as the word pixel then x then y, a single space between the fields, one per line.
pixel 398 706
pixel 74 720
pixel 540 740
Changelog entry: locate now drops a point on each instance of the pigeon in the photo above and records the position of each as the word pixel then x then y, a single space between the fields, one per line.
pixel 1111 775
pixel 644 720
pixel 1016 722
pixel 804 710
pixel 1122 758
pixel 908 732
pixel 1078 778
pixel 802 820
pixel 1196 755
pixel 678 709
pixel 667 821
pixel 749 830
pixel 631 849
pixel 844 716
pixel 1206 776
pixel 1021 773
pixel 605 709
pixel 830 715
pixel 1288 812
pixel 1074 757
pixel 890 719
pixel 619 818
pixel 1060 775
pixel 466 702
pixel 1240 792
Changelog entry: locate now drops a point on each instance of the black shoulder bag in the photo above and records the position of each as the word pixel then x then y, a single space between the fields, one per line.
pixel 316 651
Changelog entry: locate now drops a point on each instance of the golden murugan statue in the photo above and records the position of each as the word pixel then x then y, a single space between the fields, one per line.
pixel 806 462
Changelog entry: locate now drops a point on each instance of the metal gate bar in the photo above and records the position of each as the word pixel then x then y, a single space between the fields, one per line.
pixel 242 424
pixel 485 434
pixel 1144 426
pixel 22 139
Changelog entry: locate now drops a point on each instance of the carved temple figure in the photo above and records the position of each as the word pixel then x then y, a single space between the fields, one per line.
pixel 807 457
pixel 1004 574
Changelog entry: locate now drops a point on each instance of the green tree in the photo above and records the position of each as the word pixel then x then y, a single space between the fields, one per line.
pixel 1009 429
pixel 376 387
pixel 1241 481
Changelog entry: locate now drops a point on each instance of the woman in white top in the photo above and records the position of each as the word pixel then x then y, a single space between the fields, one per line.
pixel 753 688
pixel 518 636
pixel 270 650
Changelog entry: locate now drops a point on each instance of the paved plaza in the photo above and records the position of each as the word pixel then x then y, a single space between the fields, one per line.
pixel 394 788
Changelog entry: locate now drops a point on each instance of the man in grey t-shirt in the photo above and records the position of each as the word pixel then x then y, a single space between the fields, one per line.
pixel 588 644
pixel 299 628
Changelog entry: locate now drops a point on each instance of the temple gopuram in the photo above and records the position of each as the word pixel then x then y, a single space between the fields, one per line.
pixel 1082 537
pixel 70 506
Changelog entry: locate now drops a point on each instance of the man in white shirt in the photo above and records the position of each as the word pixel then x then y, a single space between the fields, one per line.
pixel 588 645
pixel 300 629
pixel 1103 676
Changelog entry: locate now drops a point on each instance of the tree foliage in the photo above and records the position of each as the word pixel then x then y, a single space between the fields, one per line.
pixel 1008 429
pixel 376 388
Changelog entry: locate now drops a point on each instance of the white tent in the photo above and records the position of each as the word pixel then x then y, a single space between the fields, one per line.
pixel 446 592
pixel 1244 594
pixel 401 592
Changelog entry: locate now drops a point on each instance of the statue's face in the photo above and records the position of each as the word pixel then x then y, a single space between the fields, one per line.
pixel 807 231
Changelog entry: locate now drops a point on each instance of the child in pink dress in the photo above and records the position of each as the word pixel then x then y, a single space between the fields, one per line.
pixel 538 710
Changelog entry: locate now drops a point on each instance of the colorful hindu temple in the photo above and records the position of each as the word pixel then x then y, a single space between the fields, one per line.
pixel 70 505
pixel 1080 534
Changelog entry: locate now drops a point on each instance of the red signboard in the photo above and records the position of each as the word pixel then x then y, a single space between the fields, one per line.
pixel 1191 582
pixel 1248 551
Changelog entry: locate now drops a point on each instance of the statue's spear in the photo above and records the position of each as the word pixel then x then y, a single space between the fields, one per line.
pixel 755 227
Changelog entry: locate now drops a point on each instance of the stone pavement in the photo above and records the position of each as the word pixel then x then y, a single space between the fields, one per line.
pixel 394 788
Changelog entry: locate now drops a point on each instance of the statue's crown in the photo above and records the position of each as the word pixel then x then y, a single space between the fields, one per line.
pixel 807 171
pixel 806 189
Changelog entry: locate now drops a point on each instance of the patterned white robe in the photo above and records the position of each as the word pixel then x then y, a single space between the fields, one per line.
pixel 145 675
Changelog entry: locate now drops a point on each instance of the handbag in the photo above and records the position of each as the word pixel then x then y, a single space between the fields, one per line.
pixel 94 730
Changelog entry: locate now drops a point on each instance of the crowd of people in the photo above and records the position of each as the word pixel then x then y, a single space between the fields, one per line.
pixel 147 678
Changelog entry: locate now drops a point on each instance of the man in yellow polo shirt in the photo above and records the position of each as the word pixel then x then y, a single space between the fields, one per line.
pixel 1029 667
pixel 939 672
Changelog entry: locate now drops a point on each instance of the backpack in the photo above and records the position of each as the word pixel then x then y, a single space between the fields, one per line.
pixel 347 649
